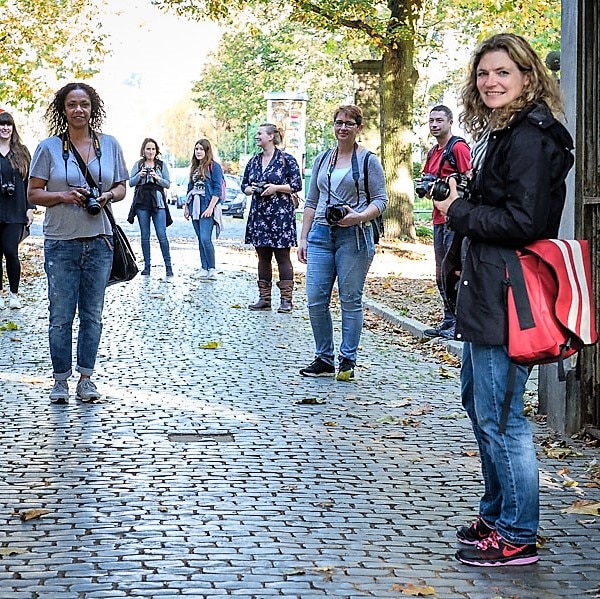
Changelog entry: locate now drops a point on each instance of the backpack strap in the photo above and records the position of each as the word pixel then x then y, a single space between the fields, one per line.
pixel 448 154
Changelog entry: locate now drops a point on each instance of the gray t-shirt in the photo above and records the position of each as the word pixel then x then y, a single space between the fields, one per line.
pixel 68 221
pixel 343 188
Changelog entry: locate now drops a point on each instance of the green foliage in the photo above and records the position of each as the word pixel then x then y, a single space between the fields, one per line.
pixel 286 57
pixel 43 40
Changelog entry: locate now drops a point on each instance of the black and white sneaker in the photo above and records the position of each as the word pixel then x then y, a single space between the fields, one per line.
pixel 318 367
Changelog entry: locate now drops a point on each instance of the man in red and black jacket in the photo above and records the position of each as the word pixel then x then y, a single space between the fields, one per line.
pixel 450 155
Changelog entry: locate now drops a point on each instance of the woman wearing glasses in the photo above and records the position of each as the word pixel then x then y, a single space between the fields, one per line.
pixel 15 211
pixel 337 241
pixel 74 174
pixel 270 177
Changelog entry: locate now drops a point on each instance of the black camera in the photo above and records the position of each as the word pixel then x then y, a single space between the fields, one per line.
pixel 259 186
pixel 7 189
pixel 92 205
pixel 424 185
pixel 335 213
pixel 440 189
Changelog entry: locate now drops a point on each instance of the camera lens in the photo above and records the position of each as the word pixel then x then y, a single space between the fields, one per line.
pixel 93 207
pixel 334 214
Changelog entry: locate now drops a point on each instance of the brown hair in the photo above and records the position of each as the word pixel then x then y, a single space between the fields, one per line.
pixel 202 166
pixel 19 156
pixel 354 111
pixel 476 117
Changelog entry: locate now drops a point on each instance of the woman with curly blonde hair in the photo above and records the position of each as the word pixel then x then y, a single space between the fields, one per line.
pixel 520 161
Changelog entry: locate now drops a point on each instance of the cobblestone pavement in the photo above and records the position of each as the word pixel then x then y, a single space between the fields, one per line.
pixel 221 472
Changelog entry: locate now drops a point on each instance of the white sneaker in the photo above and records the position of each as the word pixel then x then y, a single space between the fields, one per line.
pixel 212 274
pixel 203 273
pixel 14 303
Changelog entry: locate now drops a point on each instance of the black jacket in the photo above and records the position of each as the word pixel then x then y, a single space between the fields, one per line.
pixel 517 197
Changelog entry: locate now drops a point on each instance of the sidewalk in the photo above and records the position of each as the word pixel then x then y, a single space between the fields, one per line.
pixel 215 473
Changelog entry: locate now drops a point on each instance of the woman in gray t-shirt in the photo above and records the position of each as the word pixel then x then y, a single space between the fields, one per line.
pixel 74 174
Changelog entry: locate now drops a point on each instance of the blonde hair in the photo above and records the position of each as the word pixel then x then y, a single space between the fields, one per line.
pixel 476 117
pixel 274 131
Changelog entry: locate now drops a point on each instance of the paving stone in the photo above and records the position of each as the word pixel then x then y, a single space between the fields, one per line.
pixel 275 495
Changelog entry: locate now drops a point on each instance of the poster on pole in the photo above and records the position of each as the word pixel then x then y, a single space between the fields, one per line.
pixel 287 110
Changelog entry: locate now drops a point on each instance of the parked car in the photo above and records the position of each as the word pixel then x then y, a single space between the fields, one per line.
pixel 179 183
pixel 235 200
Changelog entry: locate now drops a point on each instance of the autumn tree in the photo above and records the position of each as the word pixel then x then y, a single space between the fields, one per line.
pixel 250 61
pixel 44 41
pixel 395 28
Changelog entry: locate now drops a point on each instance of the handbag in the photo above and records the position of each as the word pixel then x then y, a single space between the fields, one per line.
pixel 124 265
pixel 550 306
pixel 549 301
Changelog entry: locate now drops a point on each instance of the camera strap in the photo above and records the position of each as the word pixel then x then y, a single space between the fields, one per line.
pixel 67 145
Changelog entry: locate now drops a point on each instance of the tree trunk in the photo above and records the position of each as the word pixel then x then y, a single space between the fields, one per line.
pixel 398 82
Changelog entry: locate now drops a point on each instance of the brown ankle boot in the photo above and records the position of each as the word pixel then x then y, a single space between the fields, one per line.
pixel 286 288
pixel 264 296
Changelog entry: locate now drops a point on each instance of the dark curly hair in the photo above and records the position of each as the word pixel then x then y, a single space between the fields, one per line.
pixel 56 116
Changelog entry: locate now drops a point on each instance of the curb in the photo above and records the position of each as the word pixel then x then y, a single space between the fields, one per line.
pixel 410 325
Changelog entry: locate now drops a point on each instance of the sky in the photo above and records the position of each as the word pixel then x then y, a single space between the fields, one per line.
pixel 156 57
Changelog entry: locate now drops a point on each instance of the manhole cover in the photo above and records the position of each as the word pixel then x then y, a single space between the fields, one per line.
pixel 200 437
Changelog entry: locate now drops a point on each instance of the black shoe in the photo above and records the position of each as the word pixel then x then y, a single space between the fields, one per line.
pixel 495 551
pixel 146 271
pixel 345 371
pixel 474 532
pixel 446 333
pixel 318 367
pixel 432 333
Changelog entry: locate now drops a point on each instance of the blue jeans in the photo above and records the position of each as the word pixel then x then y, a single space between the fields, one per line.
pixel 508 462
pixel 204 228
pixel 344 253
pixel 159 218
pixel 442 240
pixel 77 272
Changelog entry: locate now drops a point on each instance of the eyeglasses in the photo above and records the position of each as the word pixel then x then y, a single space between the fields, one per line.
pixel 347 124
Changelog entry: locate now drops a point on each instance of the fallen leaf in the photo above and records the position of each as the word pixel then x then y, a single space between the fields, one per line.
pixel 310 401
pixel 453 416
pixel 562 452
pixel 388 420
pixel 584 506
pixel 31 514
pixel 12 550
pixel 447 374
pixel 9 326
pixel 210 345
pixel 345 375
pixel 414 590
pixel 236 306
pixel 421 410
pixel 295 572
pixel 330 423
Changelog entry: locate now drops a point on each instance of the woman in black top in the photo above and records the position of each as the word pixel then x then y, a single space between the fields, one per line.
pixel 521 157
pixel 15 211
